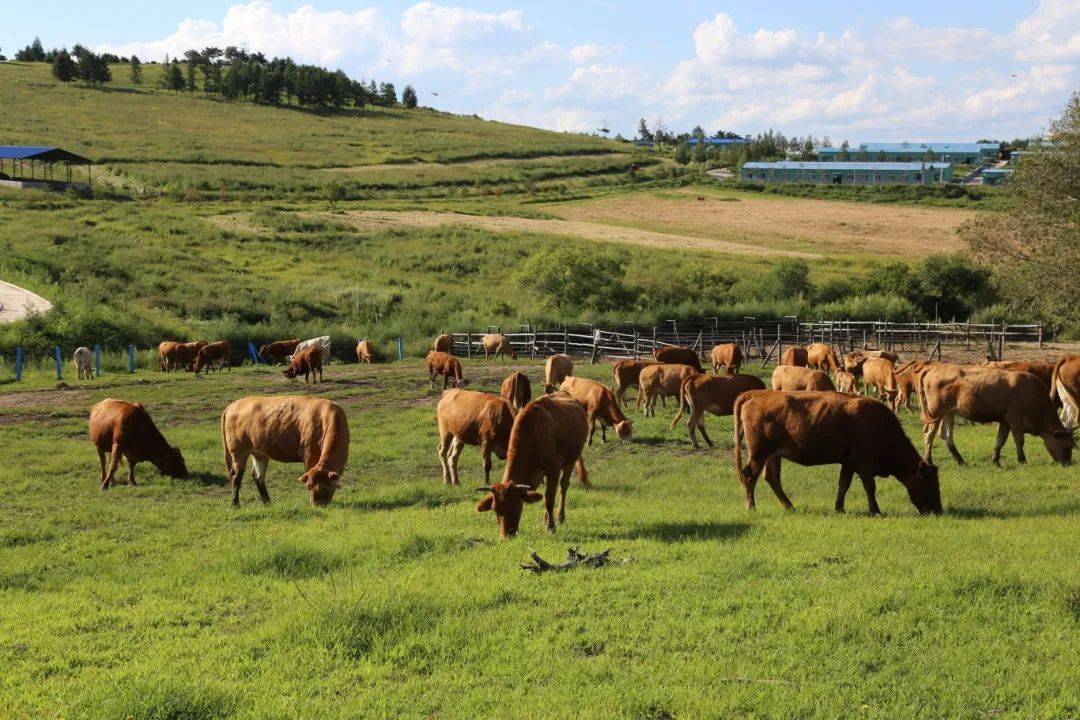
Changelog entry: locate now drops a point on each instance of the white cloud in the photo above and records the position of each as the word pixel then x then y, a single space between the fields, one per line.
pixel 1051 34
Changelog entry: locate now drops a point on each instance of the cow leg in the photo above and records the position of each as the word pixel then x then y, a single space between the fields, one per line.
pixel 772 476
pixel 549 500
pixel 485 457
pixel 947 436
pixel 700 425
pixel 131 470
pixel 258 474
pixel 239 465
pixel 564 485
pixel 1002 436
pixel 114 462
pixel 748 476
pixel 846 474
pixel 869 484
pixel 592 427
pixel 444 450
pixel 101 459
pixel 930 431
pixel 1018 439
pixel 603 431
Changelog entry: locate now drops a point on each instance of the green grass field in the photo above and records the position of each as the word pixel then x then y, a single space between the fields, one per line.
pixel 398 600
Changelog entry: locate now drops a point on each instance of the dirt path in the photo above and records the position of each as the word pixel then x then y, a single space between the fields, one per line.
pixel 16 303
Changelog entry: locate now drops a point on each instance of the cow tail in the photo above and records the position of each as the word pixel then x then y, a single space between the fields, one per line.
pixel 738 438
pixel 683 398
pixel 582 474
pixel 924 412
pixel 225 447
pixel 1054 381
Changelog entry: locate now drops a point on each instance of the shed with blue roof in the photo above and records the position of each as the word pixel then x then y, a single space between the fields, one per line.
pixel 950 152
pixel 848 173
pixel 37 164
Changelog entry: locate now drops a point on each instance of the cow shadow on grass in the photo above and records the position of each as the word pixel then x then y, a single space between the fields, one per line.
pixel 982 513
pixel 207 478
pixel 411 498
pixel 673 532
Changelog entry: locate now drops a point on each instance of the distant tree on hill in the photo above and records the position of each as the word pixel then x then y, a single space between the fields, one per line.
pixel 408 97
pixel 844 154
pixel 193 59
pixel 808 150
pixel 174 76
pixel 136 70
pixel 682 153
pixel 63 67
pixel 34 52
pixel 388 93
pixel 701 152
pixel 92 68
pixel 643 131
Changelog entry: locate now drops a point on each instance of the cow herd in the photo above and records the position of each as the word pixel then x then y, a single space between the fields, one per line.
pixel 813 415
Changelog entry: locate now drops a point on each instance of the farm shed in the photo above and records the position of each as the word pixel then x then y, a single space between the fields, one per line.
pixel 848 173
pixel 22 165
pixel 958 153
pixel 996 176
pixel 719 142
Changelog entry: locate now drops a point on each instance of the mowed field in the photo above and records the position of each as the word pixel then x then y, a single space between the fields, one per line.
pixel 398 600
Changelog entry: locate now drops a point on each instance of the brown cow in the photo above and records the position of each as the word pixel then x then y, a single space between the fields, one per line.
pixel 216 352
pixel 472 418
pixel 717 395
pixel 166 351
pixel 545 443
pixel 822 356
pixel 794 377
pixel 794 356
pixel 1017 401
pixel 288 429
pixel 558 368
pixel 1042 370
pixel 443 343
pixel 845 383
pixel 879 373
pixel 365 352
pixel 278 350
pixel 854 360
pixel 661 380
pixel 600 405
pixel 188 352
pixel 124 429
pixel 678 356
pixel 305 362
pixel 1065 388
pixel 497 345
pixel 445 364
pixel 516 390
pixel 825 428
pixel 625 374
pixel 177 355
pixel 727 356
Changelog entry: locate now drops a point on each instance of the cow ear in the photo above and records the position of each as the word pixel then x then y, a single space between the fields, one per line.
pixel 533 496
pixel 334 478
pixel 486 503
pixel 303 479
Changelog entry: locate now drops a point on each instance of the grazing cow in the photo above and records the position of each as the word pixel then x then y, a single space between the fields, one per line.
pixel 854 360
pixel 794 356
pixel 322 342
pixel 907 384
pixel 661 380
pixel 472 418
pixel 845 383
pixel 727 356
pixel 84 363
pixel 166 351
pixel 216 352
pixel 545 444
pixel 304 362
pixel 278 350
pixel 678 356
pixel 558 368
pixel 879 373
pixel 288 429
pixel 516 390
pixel 365 352
pixel 1042 370
pixel 497 345
pixel 794 377
pixel 188 352
pixel 822 356
pixel 625 374
pixel 445 364
pixel 717 395
pixel 443 343
pixel 176 355
pixel 826 428
pixel 1065 388
pixel 600 406
pixel 123 429
pixel 1017 401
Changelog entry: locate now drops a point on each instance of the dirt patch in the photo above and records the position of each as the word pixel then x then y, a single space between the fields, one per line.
pixel 490 162
pixel 43 398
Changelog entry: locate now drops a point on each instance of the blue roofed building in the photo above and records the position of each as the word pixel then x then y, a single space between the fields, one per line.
pixel 719 142
pixel 948 152
pixel 848 173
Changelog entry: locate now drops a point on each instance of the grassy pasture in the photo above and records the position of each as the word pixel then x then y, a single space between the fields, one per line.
pixel 399 601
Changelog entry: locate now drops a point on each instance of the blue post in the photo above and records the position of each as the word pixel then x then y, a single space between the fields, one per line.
pixel 18 364
pixel 59 364
pixel 97 361
pixel 131 358
pixel 400 349
pixel 254 354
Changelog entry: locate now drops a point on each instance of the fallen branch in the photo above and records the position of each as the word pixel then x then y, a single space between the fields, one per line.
pixel 573 559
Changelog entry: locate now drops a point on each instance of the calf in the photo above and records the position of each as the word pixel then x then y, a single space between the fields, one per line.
pixel 845 383
pixel 661 380
pixel 878 373
pixel 556 369
pixel 794 377
pixel 1016 401
pixel 626 374
pixel 84 363
pixel 166 351
pixel 545 444
pixel 288 429
pixel 854 360
pixel 443 343
pixel 1065 388
pixel 794 356
pixel 123 429
pixel 472 418
pixel 907 384
pixel 826 428
pixel 727 356
pixel 445 364
pixel 516 390
pixel 822 356
pixel 218 352
pixel 497 345
pixel 717 395
pixel 600 405
pixel 306 361
pixel 278 350
pixel 365 352
pixel 678 356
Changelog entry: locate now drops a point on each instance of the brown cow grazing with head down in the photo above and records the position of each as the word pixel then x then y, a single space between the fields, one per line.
pixel 794 377
pixel 661 380
pixel 305 362
pixel 166 351
pixel 288 429
pixel 727 356
pixel 122 429
pixel 822 356
pixel 545 444
pixel 625 374
pixel 189 351
pixel 516 390
pixel 472 418
pixel 824 428
pixel 443 343
pixel 558 368
pixel 600 406
pixel 497 345
pixel 365 352
pixel 879 373
pixel 717 395
pixel 216 352
pixel 1065 389
pixel 678 356
pixel 445 364
pixel 278 350
pixel 794 356
pixel 1017 401
pixel 177 355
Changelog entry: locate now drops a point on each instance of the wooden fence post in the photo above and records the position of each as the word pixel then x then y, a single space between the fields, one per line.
pixel 565 341
pixel 596 346
pixel 1040 336
pixel 637 345
pixel 468 344
pixel 653 348
pixel 401 348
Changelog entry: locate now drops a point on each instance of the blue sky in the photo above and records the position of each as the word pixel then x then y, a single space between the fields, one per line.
pixel 858 71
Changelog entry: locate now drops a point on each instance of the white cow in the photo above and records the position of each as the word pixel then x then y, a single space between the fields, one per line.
pixel 323 341
pixel 84 363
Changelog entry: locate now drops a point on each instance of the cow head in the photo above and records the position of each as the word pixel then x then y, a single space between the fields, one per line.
pixel 322 483
pixel 289 372
pixel 924 489
pixel 264 352
pixel 1060 444
pixel 171 463
pixel 624 429
pixel 507 500
pixel 513 354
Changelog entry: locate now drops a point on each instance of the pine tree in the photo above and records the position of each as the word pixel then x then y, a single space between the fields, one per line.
pixel 63 67
pixel 175 76
pixel 408 97
pixel 136 70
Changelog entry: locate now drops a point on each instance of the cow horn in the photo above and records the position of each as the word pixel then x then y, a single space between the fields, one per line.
pixel 519 486
pixel 483 488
